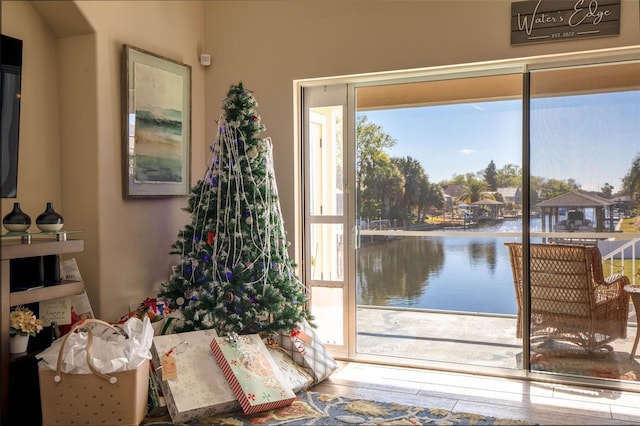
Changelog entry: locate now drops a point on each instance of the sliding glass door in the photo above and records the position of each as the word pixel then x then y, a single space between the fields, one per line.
pixel 438 191
pixel 426 200
pixel 584 184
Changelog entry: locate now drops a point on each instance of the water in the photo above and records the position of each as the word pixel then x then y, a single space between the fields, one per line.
pixel 457 273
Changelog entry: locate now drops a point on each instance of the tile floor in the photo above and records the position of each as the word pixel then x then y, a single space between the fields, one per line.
pixel 538 403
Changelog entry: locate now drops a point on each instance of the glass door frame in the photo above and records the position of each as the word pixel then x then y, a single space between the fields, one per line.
pixel 348 351
pixel 313 97
pixel 458 73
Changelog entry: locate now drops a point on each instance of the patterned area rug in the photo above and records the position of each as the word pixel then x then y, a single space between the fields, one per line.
pixel 312 408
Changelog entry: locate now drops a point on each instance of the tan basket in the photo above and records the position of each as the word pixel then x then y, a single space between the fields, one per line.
pixel 93 399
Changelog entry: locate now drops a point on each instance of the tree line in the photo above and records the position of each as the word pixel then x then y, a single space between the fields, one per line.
pixel 399 188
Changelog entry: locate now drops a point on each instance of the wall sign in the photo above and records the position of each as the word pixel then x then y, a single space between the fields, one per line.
pixel 541 21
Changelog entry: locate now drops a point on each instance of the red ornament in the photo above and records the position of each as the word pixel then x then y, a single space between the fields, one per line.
pixel 210 237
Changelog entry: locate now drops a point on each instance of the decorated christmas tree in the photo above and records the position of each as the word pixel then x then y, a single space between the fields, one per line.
pixel 234 272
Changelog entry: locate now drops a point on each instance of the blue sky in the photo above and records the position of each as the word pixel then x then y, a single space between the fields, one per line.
pixel 590 138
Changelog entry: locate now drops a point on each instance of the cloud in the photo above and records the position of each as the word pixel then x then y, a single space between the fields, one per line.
pixel 467 151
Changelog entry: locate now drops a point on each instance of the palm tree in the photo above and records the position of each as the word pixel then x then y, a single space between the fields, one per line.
pixel 475 190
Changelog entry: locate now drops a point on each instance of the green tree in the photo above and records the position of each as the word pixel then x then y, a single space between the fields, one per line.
pixel 509 176
pixel 555 187
pixel 457 179
pixel 419 193
pixel 475 190
pixel 536 183
pixel 490 176
pixel 575 186
pixel 371 141
pixel 385 184
pixel 234 273
pixel 631 181
pixel 430 196
pixel 462 179
pixel 373 168
pixel 607 190
pixel 414 180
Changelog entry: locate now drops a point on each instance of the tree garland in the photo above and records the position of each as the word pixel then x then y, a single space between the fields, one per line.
pixel 234 272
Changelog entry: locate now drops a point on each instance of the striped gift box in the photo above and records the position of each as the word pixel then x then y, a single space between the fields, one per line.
pixel 252 373
pixel 305 347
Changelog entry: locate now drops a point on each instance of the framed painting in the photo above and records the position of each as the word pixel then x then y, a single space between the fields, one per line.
pixel 156 125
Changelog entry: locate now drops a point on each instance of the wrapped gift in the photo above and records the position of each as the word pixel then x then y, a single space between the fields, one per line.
pixel 305 347
pixel 199 388
pixel 252 373
pixel 299 378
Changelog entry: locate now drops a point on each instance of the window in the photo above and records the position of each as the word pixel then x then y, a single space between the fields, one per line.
pixel 415 185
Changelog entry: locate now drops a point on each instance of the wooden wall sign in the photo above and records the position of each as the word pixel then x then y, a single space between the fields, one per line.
pixel 541 21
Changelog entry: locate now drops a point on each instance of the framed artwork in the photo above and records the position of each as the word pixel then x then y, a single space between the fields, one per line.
pixel 156 122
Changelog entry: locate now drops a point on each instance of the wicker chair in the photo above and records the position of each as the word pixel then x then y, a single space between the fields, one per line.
pixel 571 301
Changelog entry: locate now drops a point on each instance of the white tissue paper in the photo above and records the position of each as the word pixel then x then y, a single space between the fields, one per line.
pixel 110 352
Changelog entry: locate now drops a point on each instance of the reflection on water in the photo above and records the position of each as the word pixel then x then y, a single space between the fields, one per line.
pixel 392 273
pixel 458 273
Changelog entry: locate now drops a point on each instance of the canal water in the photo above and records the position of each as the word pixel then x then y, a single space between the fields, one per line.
pixel 458 273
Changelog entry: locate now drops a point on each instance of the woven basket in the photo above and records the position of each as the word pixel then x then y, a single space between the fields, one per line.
pixel 95 398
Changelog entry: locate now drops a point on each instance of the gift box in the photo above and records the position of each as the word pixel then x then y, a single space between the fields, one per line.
pixel 305 347
pixel 199 388
pixel 252 373
pixel 298 377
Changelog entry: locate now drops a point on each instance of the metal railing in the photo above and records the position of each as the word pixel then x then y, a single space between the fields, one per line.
pixel 620 251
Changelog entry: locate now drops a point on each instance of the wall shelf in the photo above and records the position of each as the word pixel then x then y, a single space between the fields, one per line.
pixel 37 244
pixel 64 289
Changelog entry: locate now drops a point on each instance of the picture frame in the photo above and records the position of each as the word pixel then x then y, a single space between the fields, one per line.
pixel 156 125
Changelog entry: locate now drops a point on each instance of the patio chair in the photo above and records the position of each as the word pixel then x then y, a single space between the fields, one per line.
pixel 571 301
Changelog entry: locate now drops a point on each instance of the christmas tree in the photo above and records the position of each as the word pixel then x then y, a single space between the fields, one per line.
pixel 234 273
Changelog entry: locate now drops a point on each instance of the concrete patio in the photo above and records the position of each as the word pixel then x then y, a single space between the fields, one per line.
pixel 461 338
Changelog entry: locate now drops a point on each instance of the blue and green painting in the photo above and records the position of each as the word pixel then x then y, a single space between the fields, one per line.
pixel 158 142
